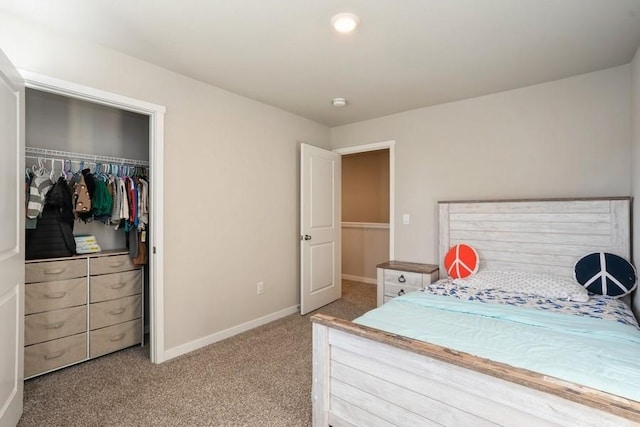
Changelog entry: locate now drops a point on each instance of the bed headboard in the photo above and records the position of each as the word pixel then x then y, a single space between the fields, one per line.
pixel 538 235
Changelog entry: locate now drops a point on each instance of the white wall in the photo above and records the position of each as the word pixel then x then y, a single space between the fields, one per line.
pixel 567 138
pixel 635 160
pixel 60 123
pixel 231 182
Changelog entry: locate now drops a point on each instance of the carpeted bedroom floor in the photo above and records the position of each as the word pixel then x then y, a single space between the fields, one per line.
pixel 259 378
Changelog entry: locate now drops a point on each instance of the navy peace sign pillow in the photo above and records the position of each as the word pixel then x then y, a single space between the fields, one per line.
pixel 605 274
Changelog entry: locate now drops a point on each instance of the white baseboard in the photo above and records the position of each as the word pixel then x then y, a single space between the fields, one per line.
pixel 359 279
pixel 227 333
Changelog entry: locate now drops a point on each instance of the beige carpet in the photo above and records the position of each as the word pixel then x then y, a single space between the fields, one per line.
pixel 258 378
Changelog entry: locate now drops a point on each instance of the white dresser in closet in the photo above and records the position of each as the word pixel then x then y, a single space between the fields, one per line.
pixel 80 307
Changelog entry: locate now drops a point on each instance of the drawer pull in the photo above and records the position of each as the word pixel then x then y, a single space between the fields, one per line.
pixel 116 264
pixel 118 337
pixel 56 295
pixel 56 325
pixel 401 292
pixel 117 311
pixel 54 271
pixel 401 279
pixel 118 285
pixel 54 355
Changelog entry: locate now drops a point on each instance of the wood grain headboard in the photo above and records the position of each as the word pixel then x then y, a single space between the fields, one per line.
pixel 547 235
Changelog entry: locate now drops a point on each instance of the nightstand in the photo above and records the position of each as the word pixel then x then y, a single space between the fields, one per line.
pixel 396 278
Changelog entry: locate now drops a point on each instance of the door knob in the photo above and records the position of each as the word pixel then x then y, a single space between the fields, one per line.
pixel 307 237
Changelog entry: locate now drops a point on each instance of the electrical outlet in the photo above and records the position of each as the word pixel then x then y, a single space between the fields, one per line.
pixel 260 288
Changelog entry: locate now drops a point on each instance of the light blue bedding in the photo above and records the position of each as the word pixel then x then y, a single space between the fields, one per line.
pixel 601 354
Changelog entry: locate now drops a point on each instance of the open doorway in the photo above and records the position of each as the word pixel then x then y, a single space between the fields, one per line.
pixel 367 210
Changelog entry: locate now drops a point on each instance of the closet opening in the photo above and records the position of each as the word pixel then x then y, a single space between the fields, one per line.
pixel 367 209
pixel 89 138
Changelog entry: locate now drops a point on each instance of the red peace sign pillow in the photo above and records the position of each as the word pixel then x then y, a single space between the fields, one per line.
pixel 461 261
pixel 605 274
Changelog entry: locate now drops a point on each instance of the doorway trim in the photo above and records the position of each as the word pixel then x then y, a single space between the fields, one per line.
pixel 156 164
pixel 392 180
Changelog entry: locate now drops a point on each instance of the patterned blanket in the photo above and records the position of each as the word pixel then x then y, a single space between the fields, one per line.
pixel 598 306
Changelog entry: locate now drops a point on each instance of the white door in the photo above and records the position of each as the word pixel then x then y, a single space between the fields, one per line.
pixel 320 264
pixel 11 241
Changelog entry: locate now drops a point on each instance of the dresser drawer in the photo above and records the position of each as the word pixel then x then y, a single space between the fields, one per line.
pixel 116 285
pixel 109 313
pixel 54 324
pixel 45 296
pixel 54 270
pixel 54 354
pixel 393 290
pixel 112 338
pixel 403 278
pixel 111 264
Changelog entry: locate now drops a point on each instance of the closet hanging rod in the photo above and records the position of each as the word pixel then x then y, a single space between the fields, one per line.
pixel 82 156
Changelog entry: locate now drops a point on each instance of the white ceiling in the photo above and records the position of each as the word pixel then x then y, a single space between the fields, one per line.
pixel 405 54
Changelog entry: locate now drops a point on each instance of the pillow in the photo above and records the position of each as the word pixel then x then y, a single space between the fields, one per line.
pixel 520 282
pixel 605 274
pixel 461 261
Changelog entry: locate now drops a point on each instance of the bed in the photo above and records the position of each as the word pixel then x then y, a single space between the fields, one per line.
pixel 373 376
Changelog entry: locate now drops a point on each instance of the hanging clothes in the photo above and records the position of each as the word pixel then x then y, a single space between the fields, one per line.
pixel 143 203
pixel 101 201
pixel 40 186
pixel 30 223
pixel 53 237
pixel 81 197
pixel 124 206
pixel 114 194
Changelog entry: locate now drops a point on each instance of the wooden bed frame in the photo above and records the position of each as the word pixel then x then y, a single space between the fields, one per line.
pixel 367 377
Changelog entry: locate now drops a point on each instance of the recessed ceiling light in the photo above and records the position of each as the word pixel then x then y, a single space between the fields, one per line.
pixel 339 102
pixel 345 22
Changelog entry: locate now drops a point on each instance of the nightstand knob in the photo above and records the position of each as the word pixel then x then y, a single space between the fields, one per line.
pixel 401 279
pixel 401 292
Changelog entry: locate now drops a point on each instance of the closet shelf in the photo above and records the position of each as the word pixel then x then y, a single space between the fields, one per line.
pixel 81 156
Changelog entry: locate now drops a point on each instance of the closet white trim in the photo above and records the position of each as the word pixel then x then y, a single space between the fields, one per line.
pixel 156 160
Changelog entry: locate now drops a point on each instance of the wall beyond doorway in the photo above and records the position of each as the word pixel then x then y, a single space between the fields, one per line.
pixel 365 214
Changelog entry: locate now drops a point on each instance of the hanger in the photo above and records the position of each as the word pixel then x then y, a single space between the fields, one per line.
pixel 66 169
pixel 53 176
pixel 39 169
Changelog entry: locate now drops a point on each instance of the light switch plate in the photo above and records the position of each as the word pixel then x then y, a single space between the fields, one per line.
pixel 405 218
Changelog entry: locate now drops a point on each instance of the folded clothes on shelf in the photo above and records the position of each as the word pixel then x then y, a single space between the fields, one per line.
pixel 86 244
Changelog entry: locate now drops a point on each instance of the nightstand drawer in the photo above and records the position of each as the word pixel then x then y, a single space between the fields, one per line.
pixel 109 313
pixel 397 290
pixel 54 354
pixel 117 285
pixel 54 324
pixel 45 296
pixel 54 270
pixel 106 340
pixel 403 278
